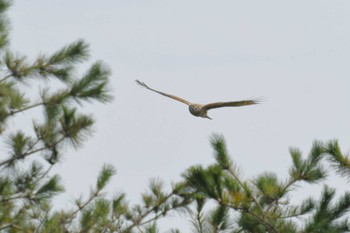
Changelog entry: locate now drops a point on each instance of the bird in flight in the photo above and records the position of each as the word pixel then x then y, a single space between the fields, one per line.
pixel 201 110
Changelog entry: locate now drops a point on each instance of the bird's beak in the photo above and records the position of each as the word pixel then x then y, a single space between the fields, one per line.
pixel 208 118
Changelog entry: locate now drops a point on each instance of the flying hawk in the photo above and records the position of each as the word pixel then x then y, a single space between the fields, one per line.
pixel 201 110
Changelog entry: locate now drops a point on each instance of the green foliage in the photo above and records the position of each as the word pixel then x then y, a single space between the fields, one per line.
pixel 93 85
pixel 152 228
pixel 340 161
pixel 308 170
pixel 219 219
pixel 4 24
pixel 19 143
pixel 27 189
pixel 215 197
pixel 105 176
pixel 270 188
pixel 75 52
pixel 49 188
pixel 327 217
pixel 220 152
pixel 262 204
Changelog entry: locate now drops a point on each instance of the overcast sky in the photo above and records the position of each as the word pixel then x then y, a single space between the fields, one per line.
pixel 295 54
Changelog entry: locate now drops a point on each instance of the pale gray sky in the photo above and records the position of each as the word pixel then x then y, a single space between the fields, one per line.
pixel 295 54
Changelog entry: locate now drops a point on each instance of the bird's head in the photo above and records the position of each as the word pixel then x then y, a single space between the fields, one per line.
pixel 198 110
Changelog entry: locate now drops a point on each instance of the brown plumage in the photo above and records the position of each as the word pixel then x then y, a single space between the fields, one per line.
pixel 201 110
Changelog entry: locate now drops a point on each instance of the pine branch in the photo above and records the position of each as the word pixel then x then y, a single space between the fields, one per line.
pixel 6 77
pixel 9 161
pixel 200 223
pixel 221 155
pixel 20 196
pixel 104 177
pixel 44 174
pixel 232 172
pixel 340 161
pixel 14 197
pixel 13 112
pixel 138 221
pixel 26 154
pixel 25 197
pixel 262 220
pixel 81 207
pixel 75 52
pixel 289 184
pixel 12 226
pixel 198 220
pixel 305 207
pixel 48 189
pixel 4 5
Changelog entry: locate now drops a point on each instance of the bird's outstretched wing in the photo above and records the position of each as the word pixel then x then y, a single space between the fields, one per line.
pixel 162 93
pixel 230 104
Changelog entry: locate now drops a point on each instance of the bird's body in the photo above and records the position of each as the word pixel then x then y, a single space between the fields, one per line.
pixel 201 110
pixel 198 110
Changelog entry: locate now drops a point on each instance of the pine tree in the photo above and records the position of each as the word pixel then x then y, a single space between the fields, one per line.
pixel 263 204
pixel 49 87
pixel 26 185
pixel 48 91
